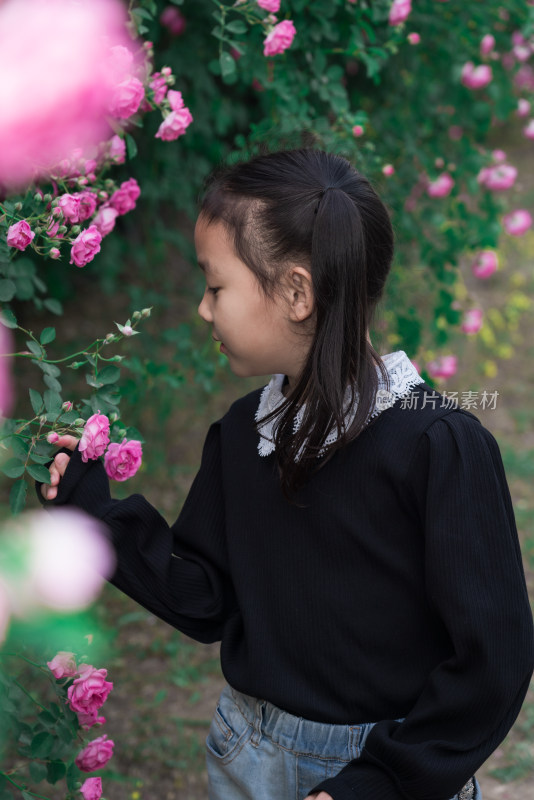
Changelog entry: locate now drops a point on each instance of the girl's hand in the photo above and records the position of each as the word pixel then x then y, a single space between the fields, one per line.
pixel 58 466
pixel 320 796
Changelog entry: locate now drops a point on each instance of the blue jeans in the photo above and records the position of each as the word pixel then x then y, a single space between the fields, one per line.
pixel 256 751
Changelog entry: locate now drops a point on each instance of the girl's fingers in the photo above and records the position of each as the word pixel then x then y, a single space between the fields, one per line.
pixel 59 466
pixel 67 441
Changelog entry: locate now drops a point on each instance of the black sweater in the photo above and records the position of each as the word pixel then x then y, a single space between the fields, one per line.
pixel 393 589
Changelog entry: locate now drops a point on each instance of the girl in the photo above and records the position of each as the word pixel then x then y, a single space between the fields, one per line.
pixel 349 538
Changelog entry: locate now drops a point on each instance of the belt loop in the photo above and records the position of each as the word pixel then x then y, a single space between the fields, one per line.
pixel 258 720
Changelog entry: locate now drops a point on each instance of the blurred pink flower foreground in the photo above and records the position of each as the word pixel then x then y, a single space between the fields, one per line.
pixel 57 95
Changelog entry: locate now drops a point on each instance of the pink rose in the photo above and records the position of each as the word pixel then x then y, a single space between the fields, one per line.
pixel 476 77
pixel 63 665
pixel 105 220
pixel 119 63
pixel 388 170
pixel 174 125
pixel 158 84
pixel 126 98
pixel 89 692
pixel 96 755
pixel 70 206
pixel 54 221
pixel 455 132
pixel 529 130
pixel 472 321
pixel 516 223
pixel 498 155
pixel 125 197
pixel 487 44
pixel 67 405
pixel 485 264
pixel 497 178
pixel 523 107
pixel 400 11
pixel 95 437
pixel 441 187
pixel 54 253
pixel 173 20
pixel 270 5
pixel 279 39
pixel 20 235
pixel 442 367
pixel 176 101
pixel 52 437
pixel 85 246
pixel 88 203
pixel 524 78
pixel 117 149
pixel 123 460
pixel 414 38
pixel 87 720
pixel 357 130
pixel 91 789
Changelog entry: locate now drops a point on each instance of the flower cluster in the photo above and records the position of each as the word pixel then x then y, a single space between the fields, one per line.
pixel 121 461
pixel 86 695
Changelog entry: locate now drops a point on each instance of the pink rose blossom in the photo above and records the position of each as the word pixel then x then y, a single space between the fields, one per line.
pixel 524 78
pixel 523 107
pixel 63 665
pixel 498 155
pixel 125 197
pixel 70 206
pixel 497 178
pixel 20 235
pixel 487 44
pixel 476 77
pixel 388 169
pixel 105 220
pixel 126 98
pixel 88 203
pixel 96 755
pixel 54 253
pixel 442 367
pixel 95 437
pixel 174 125
pixel 516 223
pixel 67 405
pixel 87 720
pixel 414 38
pixel 270 5
pixel 472 321
pixel 529 130
pixel 57 97
pixel 173 20
pixel 441 187
pixel 175 99
pixel 158 84
pixel 89 692
pixel 400 11
pixel 91 789
pixel 85 246
pixel 522 52
pixel 455 132
pixel 117 149
pixel 123 460
pixel 279 39
pixel 52 437
pixel 485 264
pixel 119 63
pixel 357 130
pixel 518 38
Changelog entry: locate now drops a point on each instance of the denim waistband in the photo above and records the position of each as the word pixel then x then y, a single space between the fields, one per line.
pixel 303 736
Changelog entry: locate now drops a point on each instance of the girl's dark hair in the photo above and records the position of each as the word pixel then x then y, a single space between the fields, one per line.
pixel 311 207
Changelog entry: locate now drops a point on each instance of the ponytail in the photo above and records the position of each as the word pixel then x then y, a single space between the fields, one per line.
pixel 315 207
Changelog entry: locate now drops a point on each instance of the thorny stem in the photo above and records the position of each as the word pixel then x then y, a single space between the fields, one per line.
pixel 26 692
pixel 22 788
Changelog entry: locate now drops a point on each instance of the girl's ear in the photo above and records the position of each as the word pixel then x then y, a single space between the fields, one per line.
pixel 299 293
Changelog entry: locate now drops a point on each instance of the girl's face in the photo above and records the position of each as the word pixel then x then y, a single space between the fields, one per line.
pixel 257 334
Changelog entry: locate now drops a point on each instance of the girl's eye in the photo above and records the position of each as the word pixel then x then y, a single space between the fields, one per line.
pixel 213 289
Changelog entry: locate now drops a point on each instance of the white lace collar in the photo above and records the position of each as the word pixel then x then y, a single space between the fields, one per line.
pixel 402 376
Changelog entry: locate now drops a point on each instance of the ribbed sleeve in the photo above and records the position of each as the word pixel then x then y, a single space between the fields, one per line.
pixel 178 572
pixel 475 581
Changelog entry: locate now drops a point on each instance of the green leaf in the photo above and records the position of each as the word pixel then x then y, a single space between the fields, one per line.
pixel 34 348
pixel 50 369
pixel 52 383
pixel 52 400
pixel 27 796
pixel 8 318
pixel 41 745
pixel 46 718
pixel 236 27
pixel 109 374
pixel 69 416
pixel 48 335
pixel 7 290
pixel 39 473
pixel 73 776
pixel 13 468
pixel 36 401
pixel 227 64
pixel 131 146
pixel 17 496
pixel 37 771
pixel 19 446
pixel 53 305
pixel 56 771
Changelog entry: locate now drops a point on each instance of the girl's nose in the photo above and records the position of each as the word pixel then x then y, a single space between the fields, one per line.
pixel 203 309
